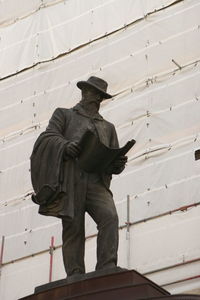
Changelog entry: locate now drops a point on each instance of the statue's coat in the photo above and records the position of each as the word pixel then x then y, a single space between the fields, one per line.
pixel 51 168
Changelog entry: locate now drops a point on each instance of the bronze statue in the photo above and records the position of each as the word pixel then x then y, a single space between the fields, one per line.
pixel 64 190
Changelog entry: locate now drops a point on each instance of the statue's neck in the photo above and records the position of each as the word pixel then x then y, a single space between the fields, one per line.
pixel 91 107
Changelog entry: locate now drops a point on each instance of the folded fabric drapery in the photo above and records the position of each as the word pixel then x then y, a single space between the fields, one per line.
pixel 48 178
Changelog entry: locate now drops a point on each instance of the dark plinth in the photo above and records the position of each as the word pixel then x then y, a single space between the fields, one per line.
pixel 176 297
pixel 121 285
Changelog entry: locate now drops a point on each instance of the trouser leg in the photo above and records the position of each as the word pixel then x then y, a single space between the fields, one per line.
pixel 101 207
pixel 74 232
pixel 73 247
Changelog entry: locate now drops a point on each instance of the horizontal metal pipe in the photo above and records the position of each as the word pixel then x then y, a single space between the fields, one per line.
pixel 182 208
pixel 172 266
pixel 181 280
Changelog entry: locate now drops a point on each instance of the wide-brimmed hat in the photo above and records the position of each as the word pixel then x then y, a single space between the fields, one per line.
pixel 96 82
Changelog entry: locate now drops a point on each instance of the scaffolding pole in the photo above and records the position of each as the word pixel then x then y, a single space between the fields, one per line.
pixel 1 254
pixel 51 249
pixel 128 232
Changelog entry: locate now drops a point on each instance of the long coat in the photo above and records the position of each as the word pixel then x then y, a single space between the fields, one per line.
pixel 53 177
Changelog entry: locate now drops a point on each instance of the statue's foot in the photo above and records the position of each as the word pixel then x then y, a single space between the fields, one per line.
pixel 112 267
pixel 106 270
pixel 75 277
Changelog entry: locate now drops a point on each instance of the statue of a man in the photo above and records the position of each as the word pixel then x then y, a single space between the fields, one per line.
pixel 64 190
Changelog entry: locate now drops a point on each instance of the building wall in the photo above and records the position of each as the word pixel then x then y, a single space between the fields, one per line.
pixel 148 51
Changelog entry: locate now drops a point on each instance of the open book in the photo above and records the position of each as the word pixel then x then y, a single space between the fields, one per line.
pixel 95 157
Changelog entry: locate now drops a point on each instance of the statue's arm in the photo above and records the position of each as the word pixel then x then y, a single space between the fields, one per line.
pixel 114 143
pixel 57 122
pixel 119 164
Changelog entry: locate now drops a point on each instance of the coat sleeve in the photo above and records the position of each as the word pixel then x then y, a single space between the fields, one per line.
pixel 114 143
pixel 57 122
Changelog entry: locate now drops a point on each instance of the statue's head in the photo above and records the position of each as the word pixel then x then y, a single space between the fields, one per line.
pixel 94 87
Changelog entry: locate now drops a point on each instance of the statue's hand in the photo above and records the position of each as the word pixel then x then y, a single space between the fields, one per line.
pixel 118 165
pixel 72 149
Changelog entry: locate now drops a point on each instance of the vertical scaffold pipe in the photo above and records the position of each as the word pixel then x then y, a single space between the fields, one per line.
pixel 51 249
pixel 128 231
pixel 2 251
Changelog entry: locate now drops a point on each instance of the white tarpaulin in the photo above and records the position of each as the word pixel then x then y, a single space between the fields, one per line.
pixel 115 58
pixel 150 245
pixel 12 11
pixel 169 130
pixel 60 28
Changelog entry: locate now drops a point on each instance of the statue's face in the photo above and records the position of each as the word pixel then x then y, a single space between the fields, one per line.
pixel 91 94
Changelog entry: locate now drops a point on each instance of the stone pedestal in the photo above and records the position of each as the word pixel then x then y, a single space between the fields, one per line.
pixel 121 285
